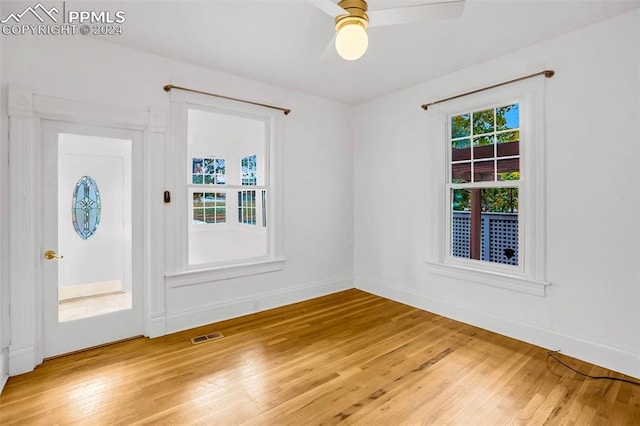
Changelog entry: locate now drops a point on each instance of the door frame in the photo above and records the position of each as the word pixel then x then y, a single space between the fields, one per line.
pixel 26 112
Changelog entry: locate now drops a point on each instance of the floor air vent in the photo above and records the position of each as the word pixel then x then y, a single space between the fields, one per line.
pixel 207 337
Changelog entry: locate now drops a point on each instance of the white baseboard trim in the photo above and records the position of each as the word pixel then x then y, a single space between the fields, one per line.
pixel 22 359
pixel 4 367
pixel 157 325
pixel 612 358
pixel 203 315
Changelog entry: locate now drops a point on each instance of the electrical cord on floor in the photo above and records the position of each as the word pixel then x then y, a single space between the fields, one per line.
pixel 551 354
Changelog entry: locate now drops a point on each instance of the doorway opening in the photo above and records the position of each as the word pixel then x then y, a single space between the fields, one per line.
pixel 94 226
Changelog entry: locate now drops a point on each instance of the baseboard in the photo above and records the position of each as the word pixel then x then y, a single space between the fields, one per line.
pixel 612 358
pixel 21 359
pixel 4 367
pixel 157 325
pixel 203 315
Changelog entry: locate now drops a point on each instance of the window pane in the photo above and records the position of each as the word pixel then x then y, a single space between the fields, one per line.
pixel 247 207
pixel 209 207
pixel 483 147
pixel 197 166
pixel 509 169
pixel 219 166
pixel 198 215
pixel 461 150
pixel 208 170
pixel 508 144
pixel 460 126
pixel 461 173
pixel 460 233
pixel 86 207
pixel 198 199
pixel 494 233
pixel 210 215
pixel 508 117
pixel 460 200
pixel 221 214
pixel 248 166
pixel 483 171
pixel 500 200
pixel 508 136
pixel 483 121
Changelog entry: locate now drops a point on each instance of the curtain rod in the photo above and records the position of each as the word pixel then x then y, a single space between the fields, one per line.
pixel 169 87
pixel 546 73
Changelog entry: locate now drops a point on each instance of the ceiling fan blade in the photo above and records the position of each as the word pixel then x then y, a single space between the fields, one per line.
pixel 329 53
pixel 329 7
pixel 409 14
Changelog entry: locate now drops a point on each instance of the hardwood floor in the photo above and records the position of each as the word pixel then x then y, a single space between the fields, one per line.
pixel 350 358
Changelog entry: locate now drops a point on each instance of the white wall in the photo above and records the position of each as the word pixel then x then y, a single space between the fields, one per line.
pixel 4 193
pixel 592 309
pixel 317 165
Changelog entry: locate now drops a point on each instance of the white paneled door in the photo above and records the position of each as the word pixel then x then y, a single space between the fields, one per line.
pixel 91 224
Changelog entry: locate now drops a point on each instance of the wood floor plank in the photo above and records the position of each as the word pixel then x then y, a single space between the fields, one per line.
pixel 346 358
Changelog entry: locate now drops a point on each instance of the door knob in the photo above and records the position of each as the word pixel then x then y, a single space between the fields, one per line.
pixel 50 254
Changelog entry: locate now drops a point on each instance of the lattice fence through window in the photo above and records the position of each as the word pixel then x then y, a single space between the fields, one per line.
pixel 499 235
pixel 461 234
pixel 503 235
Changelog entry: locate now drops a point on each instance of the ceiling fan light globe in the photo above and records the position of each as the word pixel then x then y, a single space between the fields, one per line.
pixel 352 40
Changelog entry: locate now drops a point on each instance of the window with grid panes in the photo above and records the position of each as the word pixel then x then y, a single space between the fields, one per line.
pixel 484 185
pixel 236 169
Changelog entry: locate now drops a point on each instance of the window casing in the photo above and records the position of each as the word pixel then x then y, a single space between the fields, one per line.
pixel 488 167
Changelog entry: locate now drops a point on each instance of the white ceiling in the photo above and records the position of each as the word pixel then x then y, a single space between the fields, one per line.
pixel 281 41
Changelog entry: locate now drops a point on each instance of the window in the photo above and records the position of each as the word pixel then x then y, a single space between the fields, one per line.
pixel 238 170
pixel 484 184
pixel 222 153
pixel 247 207
pixel 490 212
pixel 249 170
pixel 235 169
pixel 209 207
pixel 208 171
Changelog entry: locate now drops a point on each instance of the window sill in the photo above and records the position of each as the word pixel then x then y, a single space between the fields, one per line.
pixel 491 278
pixel 220 273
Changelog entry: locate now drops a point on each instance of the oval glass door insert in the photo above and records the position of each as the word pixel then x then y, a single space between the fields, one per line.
pixel 85 211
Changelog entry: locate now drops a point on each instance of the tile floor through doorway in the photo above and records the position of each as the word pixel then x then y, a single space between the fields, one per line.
pixel 93 305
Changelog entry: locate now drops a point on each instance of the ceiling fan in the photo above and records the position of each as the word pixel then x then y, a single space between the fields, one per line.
pixel 352 19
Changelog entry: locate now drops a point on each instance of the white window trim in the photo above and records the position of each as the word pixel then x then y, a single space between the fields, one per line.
pixel 178 272
pixel 195 277
pixel 530 275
